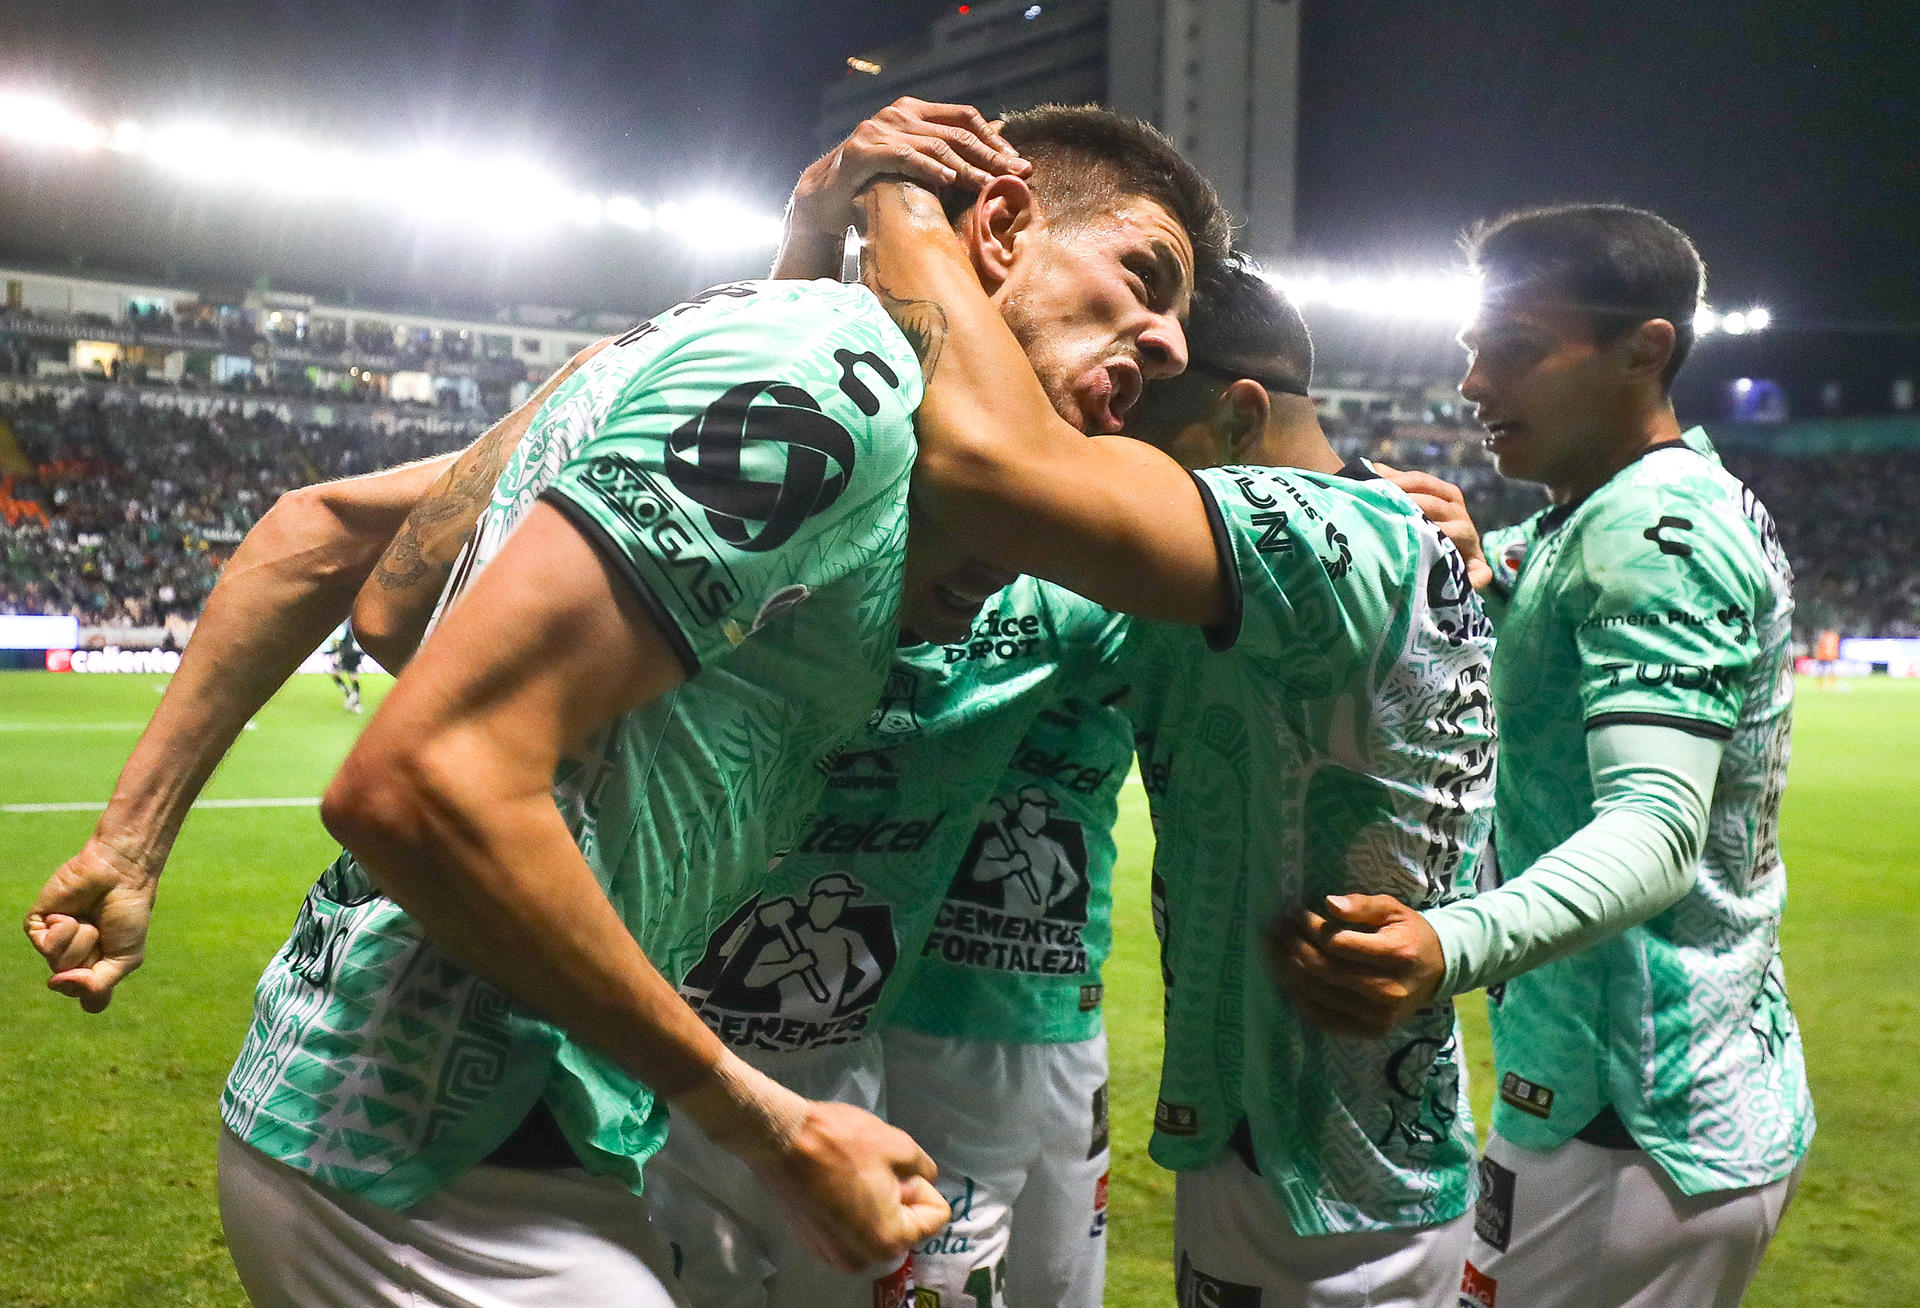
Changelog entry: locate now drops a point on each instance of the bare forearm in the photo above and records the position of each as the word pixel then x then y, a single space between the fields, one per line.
pixel 489 871
pixel 289 583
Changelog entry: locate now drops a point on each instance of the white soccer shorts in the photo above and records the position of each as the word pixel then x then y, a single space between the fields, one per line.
pixel 730 1245
pixel 1020 1134
pixel 495 1237
pixel 1235 1248
pixel 1581 1226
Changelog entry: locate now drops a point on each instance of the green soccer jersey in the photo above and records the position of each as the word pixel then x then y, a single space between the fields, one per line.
pixel 742 461
pixel 1015 951
pixel 816 955
pixel 1661 598
pixel 1337 738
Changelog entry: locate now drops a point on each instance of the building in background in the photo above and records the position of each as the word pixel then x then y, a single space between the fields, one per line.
pixel 1221 77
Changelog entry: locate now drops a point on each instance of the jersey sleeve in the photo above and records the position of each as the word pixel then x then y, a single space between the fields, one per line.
pixel 1286 547
pixel 1666 624
pixel 760 457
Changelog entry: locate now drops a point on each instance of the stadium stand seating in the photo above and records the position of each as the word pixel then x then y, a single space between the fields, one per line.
pixel 123 514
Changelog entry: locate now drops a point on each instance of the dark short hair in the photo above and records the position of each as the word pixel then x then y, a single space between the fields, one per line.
pixel 1084 155
pixel 1243 326
pixel 1617 266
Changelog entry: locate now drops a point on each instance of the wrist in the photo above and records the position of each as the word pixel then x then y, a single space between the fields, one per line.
pixel 135 849
pixel 742 1109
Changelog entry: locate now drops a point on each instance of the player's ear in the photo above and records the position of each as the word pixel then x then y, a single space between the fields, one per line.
pixel 1240 417
pixel 1002 215
pixel 1649 346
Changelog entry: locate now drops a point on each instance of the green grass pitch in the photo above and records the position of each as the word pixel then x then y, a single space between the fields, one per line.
pixel 107 1123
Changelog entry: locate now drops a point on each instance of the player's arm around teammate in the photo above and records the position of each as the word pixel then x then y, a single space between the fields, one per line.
pixel 1000 458
pixel 938 144
pixel 292 579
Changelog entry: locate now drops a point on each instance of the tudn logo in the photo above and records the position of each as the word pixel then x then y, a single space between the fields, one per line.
pixel 797 462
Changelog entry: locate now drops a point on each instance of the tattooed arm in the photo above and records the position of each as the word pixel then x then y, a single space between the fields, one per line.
pixel 1112 518
pixel 289 583
pixel 391 614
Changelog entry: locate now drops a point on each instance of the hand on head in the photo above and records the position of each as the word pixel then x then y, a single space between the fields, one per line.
pixel 935 145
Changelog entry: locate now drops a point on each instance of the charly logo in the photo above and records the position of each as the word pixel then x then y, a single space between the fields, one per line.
pixel 761 460
pixel 795 972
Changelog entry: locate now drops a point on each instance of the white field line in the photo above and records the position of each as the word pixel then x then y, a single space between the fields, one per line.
pixel 309 801
pixel 71 726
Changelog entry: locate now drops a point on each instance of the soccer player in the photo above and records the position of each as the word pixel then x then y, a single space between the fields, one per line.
pixel 1310 705
pixel 1095 327
pixel 1653 1109
pixel 346 665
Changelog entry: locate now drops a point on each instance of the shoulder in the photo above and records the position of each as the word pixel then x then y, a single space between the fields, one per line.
pixel 1677 505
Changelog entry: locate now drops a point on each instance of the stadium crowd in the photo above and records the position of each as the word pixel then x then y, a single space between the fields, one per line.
pixel 131 511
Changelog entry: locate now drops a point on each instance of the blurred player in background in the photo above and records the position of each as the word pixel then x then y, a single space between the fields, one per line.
pixel 1826 655
pixel 1653 1108
pixel 1309 700
pixel 345 651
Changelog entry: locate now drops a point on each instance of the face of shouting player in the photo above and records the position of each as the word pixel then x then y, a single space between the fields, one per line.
pixel 1097 305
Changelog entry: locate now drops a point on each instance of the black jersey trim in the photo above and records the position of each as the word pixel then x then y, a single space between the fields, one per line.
pixel 1549 522
pixel 609 549
pixel 1692 726
pixel 1226 635
pixel 1358 470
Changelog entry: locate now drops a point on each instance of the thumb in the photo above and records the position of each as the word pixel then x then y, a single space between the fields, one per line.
pixel 924 1211
pixel 1365 910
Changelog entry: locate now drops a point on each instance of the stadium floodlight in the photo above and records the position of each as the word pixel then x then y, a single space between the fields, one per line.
pixel 715 223
pixel 625 211
pixel 1449 298
pixel 1734 322
pixel 36 121
pixel 128 137
pixel 200 151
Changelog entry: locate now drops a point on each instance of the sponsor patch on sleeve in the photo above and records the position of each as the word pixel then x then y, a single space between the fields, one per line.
pixel 1527 1096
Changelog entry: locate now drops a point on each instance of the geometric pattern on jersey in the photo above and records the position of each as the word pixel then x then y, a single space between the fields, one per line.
pixel 819 952
pixel 1663 597
pixel 1336 737
pixel 1015 952
pixel 742 461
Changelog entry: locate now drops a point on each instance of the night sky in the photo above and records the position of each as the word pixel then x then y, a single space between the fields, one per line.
pixel 1784 136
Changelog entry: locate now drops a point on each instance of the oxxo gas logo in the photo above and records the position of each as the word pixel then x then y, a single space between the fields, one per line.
pixel 761 460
